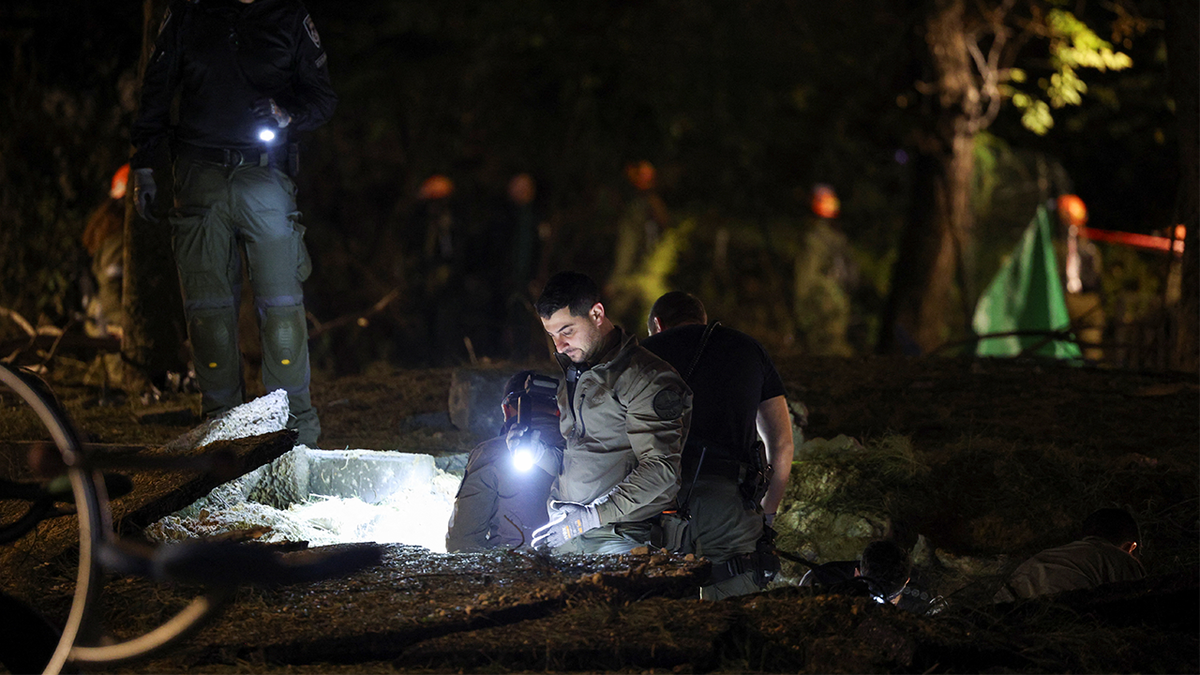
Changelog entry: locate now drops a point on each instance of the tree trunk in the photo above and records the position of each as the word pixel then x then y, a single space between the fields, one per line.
pixel 919 315
pixel 1183 20
pixel 154 332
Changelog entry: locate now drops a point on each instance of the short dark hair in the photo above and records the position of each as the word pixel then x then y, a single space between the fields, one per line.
pixel 568 289
pixel 887 565
pixel 1115 526
pixel 676 308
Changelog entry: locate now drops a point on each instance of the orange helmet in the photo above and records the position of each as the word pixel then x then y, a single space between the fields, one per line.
pixel 1072 211
pixel 436 186
pixel 825 202
pixel 522 189
pixel 641 175
pixel 120 179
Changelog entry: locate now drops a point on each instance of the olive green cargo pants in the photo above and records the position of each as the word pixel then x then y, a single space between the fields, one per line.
pixel 720 529
pixel 221 211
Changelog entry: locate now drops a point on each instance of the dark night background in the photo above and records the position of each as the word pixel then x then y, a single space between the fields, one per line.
pixel 741 106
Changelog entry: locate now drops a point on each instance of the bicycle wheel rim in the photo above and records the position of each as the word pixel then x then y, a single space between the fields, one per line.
pixel 90 502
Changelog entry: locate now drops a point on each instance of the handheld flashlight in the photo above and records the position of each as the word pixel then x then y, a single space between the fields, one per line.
pixel 266 134
pixel 524 458
pixel 528 448
pixel 535 401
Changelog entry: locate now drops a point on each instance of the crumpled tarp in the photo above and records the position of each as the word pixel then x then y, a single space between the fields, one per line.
pixel 1026 295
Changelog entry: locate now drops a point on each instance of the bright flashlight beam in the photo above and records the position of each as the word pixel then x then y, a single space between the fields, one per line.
pixel 523 459
pixel 266 135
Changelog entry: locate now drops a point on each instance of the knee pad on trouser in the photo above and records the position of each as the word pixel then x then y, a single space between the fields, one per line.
pixel 285 366
pixel 213 332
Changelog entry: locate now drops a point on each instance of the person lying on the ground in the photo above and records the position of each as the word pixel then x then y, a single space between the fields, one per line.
pixel 882 574
pixel 1104 555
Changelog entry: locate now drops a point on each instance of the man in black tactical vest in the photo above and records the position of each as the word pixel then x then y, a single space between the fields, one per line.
pixel 733 482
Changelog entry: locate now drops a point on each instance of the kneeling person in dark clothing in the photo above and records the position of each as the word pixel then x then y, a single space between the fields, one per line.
pixel 503 495
pixel 731 489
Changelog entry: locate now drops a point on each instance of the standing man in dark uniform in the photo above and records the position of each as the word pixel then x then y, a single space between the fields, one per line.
pixel 727 489
pixel 625 416
pixel 250 74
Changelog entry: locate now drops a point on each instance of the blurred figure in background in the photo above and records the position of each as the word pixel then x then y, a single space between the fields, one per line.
pixel 825 275
pixel 1082 272
pixel 518 254
pixel 442 267
pixel 638 232
pixel 104 239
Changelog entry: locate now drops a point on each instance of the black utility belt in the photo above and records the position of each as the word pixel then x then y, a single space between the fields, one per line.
pixel 720 468
pixel 231 157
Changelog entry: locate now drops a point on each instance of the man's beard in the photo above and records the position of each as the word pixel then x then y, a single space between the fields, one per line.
pixel 597 348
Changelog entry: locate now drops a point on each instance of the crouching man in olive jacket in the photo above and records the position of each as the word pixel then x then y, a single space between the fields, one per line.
pixel 625 416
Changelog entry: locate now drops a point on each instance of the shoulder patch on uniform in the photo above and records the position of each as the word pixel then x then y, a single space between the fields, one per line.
pixel 312 31
pixel 321 60
pixel 668 404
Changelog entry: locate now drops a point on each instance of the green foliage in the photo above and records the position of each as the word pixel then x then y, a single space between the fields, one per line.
pixel 741 106
pixel 1072 45
pixel 1035 114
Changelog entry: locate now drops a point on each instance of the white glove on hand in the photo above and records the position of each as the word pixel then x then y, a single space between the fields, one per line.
pixel 567 521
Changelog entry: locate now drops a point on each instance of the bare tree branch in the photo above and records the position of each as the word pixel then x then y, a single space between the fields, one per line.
pixel 19 320
pixel 323 327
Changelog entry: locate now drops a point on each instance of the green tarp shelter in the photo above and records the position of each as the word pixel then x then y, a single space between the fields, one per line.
pixel 1026 296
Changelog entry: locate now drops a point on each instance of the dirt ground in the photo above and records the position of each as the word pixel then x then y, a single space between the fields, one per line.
pixel 989 460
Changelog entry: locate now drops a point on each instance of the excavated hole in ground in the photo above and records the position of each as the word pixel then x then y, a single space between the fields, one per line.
pixel 327 497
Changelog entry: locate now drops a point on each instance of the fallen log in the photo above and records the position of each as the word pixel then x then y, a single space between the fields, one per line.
pixel 154 495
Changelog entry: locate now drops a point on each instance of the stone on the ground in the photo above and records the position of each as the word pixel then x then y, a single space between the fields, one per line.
pixel 263 415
